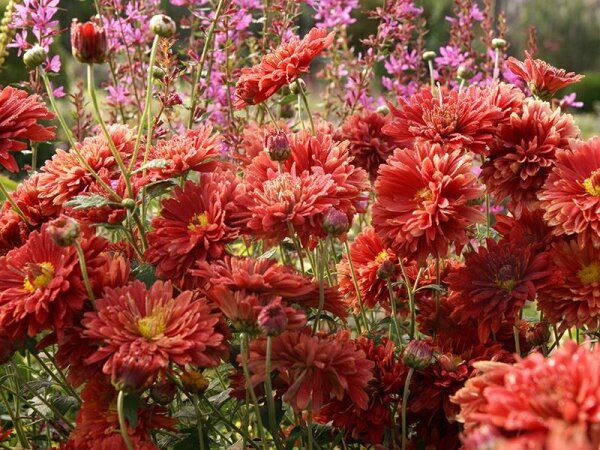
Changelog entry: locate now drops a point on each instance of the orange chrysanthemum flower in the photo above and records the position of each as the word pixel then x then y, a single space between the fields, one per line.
pixel 542 79
pixel 281 67
pixel 19 115
pixel 424 201
pixel 570 198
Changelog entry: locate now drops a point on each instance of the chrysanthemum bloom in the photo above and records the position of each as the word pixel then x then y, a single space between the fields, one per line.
pixel 178 329
pixel 19 116
pixel 457 121
pixel 507 97
pixel 97 419
pixel 424 201
pixel 284 65
pixel 41 286
pixel 195 223
pixel 29 198
pixel 196 150
pixel 575 301
pixel 495 283
pixel 369 425
pixel 264 277
pixel 524 153
pixel 570 198
pixel 369 146
pixel 318 176
pixel 253 140
pixel 530 226
pixel 538 400
pixel 315 368
pixel 542 79
pixel 13 229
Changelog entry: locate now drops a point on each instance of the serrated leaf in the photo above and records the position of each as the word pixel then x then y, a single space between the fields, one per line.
pixel 131 405
pixel 88 201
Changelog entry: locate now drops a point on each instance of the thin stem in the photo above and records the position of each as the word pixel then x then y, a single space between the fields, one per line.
pixel 302 95
pixel 34 155
pixel 496 73
pixel 245 345
pixel 200 67
pixel 411 301
pixel 404 403
pixel 199 421
pixel 271 116
pixel 297 245
pixel 274 428
pixel 84 273
pixel 394 313
pixel 321 274
pixel 488 216
pixel 122 424
pixel 62 381
pixel 14 205
pixel 356 288
pixel 431 78
pixel 309 427
pixel 16 420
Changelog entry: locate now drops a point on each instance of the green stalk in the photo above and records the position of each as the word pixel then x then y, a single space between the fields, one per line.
pixel 122 424
pixel 14 205
pixel 411 301
pixel 245 346
pixel 356 288
pixel 302 95
pixel 199 420
pixel 16 420
pixel 394 313
pixel 269 395
pixel 404 403
pixel 321 274
pixel 84 273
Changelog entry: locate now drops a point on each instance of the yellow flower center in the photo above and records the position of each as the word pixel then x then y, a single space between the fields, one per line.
pixel 152 326
pixel 199 221
pixel 505 278
pixel 381 256
pixel 38 276
pixel 592 184
pixel 590 274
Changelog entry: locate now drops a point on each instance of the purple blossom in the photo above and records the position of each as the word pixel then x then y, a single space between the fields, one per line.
pixel 568 101
pixel 450 57
pixel 333 13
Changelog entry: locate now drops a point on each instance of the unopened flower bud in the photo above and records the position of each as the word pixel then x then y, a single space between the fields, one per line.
pixel 34 57
pixel 335 222
pixel 132 372
pixel 498 43
pixel 464 73
pixel 64 231
pixel 386 270
pixel 158 73
pixel 272 319
pixel 277 146
pixel 128 203
pixel 383 109
pixel 163 391
pixel 537 334
pixel 429 55
pixel 193 381
pixel 162 26
pixel 449 362
pixel 296 85
pixel 418 354
pixel 88 42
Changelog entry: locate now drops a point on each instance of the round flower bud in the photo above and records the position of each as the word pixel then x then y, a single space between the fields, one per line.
pixel 295 86
pixel 418 354
pixel 272 319
pixel 383 109
pixel 537 334
pixel 193 381
pixel 158 73
pixel 128 203
pixel 163 391
pixel 162 26
pixel 277 146
pixel 132 372
pixel 429 55
pixel 498 43
pixel 64 231
pixel 463 73
pixel 335 222
pixel 88 42
pixel 34 57
pixel 386 270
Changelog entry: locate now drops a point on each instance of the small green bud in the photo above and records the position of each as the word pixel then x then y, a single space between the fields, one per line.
pixel 464 73
pixel 429 55
pixel 34 57
pixel 128 203
pixel 162 26
pixel 498 43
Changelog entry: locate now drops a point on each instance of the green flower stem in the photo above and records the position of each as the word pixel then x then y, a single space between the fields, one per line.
pixel 122 424
pixel 496 64
pixel 199 421
pixel 321 261
pixel 269 395
pixel 16 420
pixel 271 116
pixel 84 273
pixel 411 301
pixel 14 205
pixel 404 403
pixel 244 350
pixel 111 144
pixel 309 430
pixel 394 312
pixel 302 95
pixel 296 242
pixel 488 216
pixel 61 379
pixel 200 67
pixel 356 288
pixel 431 79
pixel 71 140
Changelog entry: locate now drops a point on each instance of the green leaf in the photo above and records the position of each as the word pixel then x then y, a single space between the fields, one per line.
pixel 89 201
pixel 146 273
pixel 296 433
pixel 131 404
pixel 154 164
pixel 9 184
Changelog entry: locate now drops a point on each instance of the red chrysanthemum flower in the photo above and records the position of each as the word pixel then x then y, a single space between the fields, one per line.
pixel 315 368
pixel 369 146
pixel 424 201
pixel 284 65
pixel 457 121
pixel 495 283
pixel 575 301
pixel 369 425
pixel 180 330
pixel 29 198
pixel 97 419
pixel 530 226
pixel 507 97
pixel 13 229
pixel 19 115
pixel 195 223
pixel 196 150
pixel 524 153
pixel 253 140
pixel 264 277
pixel 571 195
pixel 318 176
pixel 538 401
pixel 41 286
pixel 542 79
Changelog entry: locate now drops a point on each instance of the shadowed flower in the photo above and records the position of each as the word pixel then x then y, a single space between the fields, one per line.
pixel 284 65
pixel 538 403
pixel 315 368
pixel 369 146
pixel 524 153
pixel 542 79
pixel 571 195
pixel 41 286
pixel 194 224
pixel 457 121
pixel 19 115
pixel 424 201
pixel 179 330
